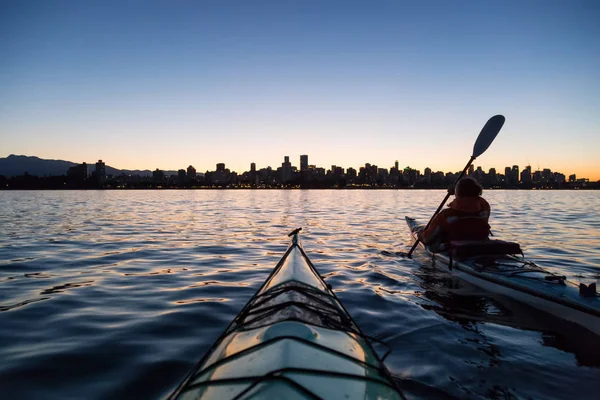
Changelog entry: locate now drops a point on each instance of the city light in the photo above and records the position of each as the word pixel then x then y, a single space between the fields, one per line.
pixel 289 176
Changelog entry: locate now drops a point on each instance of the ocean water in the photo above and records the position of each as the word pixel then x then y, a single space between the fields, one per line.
pixel 117 294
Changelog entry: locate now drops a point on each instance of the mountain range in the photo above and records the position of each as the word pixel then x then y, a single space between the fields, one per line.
pixel 14 165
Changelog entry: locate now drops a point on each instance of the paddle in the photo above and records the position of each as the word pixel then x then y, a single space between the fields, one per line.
pixel 484 140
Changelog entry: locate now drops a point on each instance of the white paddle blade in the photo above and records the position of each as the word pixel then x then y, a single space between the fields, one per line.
pixel 488 134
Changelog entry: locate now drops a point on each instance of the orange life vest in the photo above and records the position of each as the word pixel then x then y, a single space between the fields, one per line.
pixel 466 218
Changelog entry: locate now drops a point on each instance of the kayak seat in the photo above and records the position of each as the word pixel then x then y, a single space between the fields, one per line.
pixel 462 249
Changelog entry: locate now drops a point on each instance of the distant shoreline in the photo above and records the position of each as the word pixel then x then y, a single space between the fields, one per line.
pixel 283 188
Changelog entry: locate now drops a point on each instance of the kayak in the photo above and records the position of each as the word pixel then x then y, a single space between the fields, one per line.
pixel 515 277
pixel 292 340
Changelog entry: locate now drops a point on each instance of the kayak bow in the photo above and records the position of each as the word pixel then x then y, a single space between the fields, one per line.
pixel 523 281
pixel 292 340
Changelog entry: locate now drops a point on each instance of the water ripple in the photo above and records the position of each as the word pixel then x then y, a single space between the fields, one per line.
pixel 117 294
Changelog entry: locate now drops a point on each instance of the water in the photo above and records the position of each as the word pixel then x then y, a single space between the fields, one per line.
pixel 113 294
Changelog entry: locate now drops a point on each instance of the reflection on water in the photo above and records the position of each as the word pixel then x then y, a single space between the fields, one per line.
pixel 117 294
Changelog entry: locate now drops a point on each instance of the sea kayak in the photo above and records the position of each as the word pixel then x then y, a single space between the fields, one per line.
pixel 519 279
pixel 292 340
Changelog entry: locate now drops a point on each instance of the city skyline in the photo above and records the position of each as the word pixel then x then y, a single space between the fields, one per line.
pixel 303 176
pixel 512 173
pixel 512 170
pixel 303 159
pixel 153 84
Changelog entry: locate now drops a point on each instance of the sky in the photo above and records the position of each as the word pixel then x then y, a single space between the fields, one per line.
pixel 165 84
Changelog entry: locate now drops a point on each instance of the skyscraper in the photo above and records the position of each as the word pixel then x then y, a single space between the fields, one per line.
pixel 252 167
pixel 100 170
pixel 427 174
pixel 181 175
pixel 547 175
pixel 303 163
pixel 286 170
pixel 479 174
pixel 526 175
pixel 351 174
pixel 191 172
pixel 492 176
pixel 508 176
pixel 515 174
pixel 158 175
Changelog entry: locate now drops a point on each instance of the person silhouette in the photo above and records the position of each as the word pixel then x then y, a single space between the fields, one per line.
pixel 466 218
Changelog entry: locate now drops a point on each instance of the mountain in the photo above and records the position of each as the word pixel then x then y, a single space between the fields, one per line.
pixel 14 165
pixel 17 165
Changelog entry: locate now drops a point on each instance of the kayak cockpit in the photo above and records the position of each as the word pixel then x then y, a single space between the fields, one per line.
pixel 513 276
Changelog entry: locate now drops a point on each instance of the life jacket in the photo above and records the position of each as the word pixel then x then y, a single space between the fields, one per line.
pixel 466 218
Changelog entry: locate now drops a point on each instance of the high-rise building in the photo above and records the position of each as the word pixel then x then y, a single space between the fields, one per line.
pixel 181 175
pixel 396 165
pixel 221 175
pixel 526 175
pixel 410 175
pixel 427 174
pixel 471 170
pixel 78 172
pixel 479 174
pixel 547 175
pixel 492 176
pixel 437 177
pixel 451 177
pixel 252 167
pixel 303 163
pixel 100 170
pixel 573 178
pixel 337 171
pixel 158 175
pixel 351 173
pixel 191 172
pixel 515 174
pixel 286 170
pixel 508 176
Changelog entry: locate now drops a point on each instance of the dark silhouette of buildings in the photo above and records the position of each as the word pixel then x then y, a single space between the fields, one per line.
pixel 286 170
pixel 99 174
pixel 303 163
pixel 78 173
pixel 191 173
pixel 308 176
pixel 158 176
pixel 100 170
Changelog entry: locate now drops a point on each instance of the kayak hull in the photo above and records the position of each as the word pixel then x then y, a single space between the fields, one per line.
pixel 293 340
pixel 531 288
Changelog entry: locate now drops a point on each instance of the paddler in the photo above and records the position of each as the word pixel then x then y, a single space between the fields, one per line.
pixel 466 218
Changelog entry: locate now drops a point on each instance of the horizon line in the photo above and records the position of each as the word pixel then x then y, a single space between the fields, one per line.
pixel 500 171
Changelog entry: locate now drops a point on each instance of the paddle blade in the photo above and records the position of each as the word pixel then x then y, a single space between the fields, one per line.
pixel 488 134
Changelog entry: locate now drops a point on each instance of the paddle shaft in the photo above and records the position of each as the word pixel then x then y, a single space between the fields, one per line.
pixel 441 205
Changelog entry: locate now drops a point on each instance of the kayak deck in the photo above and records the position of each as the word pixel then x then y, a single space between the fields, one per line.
pixel 523 281
pixel 292 340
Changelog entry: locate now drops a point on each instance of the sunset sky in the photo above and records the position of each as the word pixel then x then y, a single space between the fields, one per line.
pixel 165 84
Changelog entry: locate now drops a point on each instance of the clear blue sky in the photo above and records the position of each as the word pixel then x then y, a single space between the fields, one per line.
pixel 165 84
